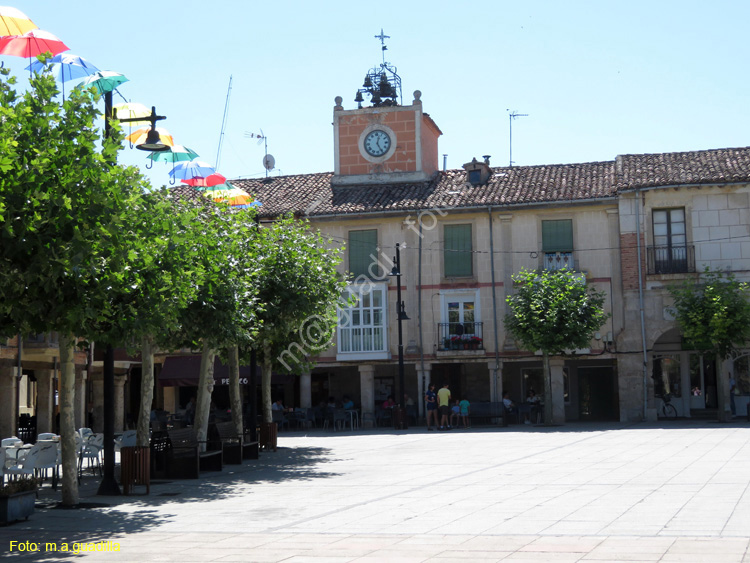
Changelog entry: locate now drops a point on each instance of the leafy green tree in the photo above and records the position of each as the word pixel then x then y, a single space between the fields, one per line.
pixel 64 209
pixel 714 317
pixel 299 288
pixel 223 313
pixel 553 311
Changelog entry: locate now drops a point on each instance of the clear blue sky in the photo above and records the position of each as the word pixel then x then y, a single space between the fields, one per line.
pixel 596 78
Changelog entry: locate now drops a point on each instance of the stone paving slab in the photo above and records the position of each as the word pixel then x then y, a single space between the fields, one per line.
pixel 581 492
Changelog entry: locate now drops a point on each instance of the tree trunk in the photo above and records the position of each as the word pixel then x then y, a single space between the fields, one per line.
pixel 235 398
pixel 147 391
pixel 67 421
pixel 266 384
pixel 548 418
pixel 205 388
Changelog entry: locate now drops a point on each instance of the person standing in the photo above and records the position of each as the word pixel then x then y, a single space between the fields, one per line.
pixel 444 404
pixel 431 406
pixel 465 407
pixel 732 390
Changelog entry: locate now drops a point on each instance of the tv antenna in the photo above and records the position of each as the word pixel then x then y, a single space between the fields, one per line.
pixel 511 116
pixel 269 162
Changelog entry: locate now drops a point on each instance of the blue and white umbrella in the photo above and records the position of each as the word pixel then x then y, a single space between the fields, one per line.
pixel 192 169
pixel 65 67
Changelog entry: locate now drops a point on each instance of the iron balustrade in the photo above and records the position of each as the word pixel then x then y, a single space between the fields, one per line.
pixel 460 336
pixel 671 259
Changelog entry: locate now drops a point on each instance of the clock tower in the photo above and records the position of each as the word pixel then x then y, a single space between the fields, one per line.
pixel 386 143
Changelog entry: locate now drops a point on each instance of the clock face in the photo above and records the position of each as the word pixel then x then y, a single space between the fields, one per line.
pixel 377 143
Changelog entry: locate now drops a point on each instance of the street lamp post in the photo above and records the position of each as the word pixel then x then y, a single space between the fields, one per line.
pixel 400 419
pixel 108 485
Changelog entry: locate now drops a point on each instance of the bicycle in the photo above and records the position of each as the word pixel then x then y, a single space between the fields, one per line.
pixel 668 410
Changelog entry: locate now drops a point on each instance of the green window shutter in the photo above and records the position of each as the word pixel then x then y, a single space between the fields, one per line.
pixel 363 246
pixel 557 236
pixel 457 255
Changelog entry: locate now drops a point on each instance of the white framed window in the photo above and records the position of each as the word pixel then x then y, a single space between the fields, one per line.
pixel 363 326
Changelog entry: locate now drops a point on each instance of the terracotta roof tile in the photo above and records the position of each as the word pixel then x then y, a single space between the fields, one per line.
pixel 695 167
pixel 313 194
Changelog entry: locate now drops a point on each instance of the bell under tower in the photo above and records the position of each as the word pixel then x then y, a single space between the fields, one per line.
pixel 386 142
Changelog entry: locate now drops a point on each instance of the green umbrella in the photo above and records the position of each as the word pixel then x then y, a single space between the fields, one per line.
pixel 175 153
pixel 103 81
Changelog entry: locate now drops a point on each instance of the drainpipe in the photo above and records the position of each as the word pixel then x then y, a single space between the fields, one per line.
pixel 640 299
pixel 493 391
pixel 419 316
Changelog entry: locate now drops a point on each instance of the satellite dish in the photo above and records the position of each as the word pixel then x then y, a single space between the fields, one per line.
pixel 269 162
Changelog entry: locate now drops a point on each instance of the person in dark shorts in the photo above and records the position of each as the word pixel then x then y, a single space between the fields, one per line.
pixel 444 404
pixel 431 406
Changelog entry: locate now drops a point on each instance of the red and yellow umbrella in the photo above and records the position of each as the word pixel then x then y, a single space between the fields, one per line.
pixel 14 22
pixel 231 196
pixel 138 136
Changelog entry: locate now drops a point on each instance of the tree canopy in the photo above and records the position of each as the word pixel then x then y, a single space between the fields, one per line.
pixel 553 311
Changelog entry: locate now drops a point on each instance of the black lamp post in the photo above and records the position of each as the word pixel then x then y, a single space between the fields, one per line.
pixel 400 419
pixel 108 485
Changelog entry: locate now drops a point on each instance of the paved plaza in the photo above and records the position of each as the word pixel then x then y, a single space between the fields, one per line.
pixel 677 491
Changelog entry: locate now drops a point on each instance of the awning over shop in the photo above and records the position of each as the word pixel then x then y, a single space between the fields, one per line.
pixel 183 371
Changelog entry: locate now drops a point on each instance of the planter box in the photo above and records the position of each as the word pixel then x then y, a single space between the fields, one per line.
pixel 17 507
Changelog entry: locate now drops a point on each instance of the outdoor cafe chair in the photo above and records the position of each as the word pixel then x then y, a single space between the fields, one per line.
pixel 91 452
pixel 49 458
pixel 127 440
pixel 28 464
pixel 47 436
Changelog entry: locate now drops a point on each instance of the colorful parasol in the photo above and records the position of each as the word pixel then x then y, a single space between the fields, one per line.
pixel 65 67
pixel 131 110
pixel 14 22
pixel 176 153
pixel 192 169
pixel 231 196
pixel 209 181
pixel 103 81
pixel 138 136
pixel 31 44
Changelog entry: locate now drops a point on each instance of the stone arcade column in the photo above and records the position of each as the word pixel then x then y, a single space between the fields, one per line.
pixel 44 400
pixel 8 405
pixel 80 400
pixel 367 395
pixel 120 402
pixel 98 387
pixel 305 390
pixel 423 384
pixel 496 380
pixel 558 390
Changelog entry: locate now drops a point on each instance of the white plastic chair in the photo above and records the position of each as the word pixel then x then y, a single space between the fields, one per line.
pixel 48 459
pixel 91 451
pixel 47 436
pixel 28 465
pixel 85 433
pixel 11 442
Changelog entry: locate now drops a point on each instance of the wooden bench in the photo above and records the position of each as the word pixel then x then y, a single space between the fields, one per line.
pixel 234 448
pixel 177 454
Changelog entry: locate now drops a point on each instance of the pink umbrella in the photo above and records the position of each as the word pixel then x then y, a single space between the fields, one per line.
pixel 31 44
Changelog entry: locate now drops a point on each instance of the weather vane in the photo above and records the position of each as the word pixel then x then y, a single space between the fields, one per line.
pixel 381 83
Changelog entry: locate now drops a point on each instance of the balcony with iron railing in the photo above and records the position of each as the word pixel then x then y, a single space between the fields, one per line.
pixel 460 336
pixel 671 259
pixel 558 261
